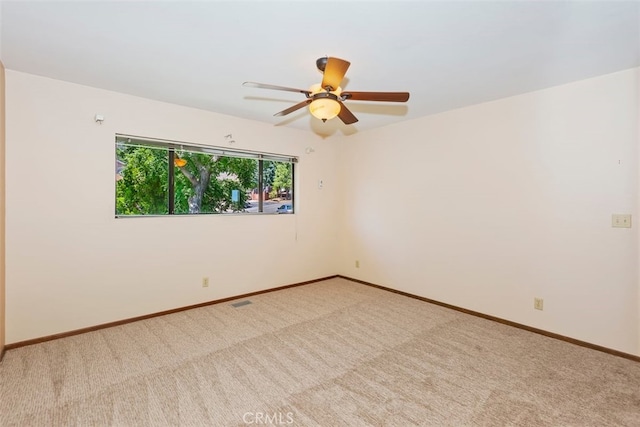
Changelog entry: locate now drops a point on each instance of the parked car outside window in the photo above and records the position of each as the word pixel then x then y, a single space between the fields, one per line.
pixel 285 209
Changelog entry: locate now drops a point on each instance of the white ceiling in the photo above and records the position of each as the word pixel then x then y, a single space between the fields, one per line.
pixel 446 54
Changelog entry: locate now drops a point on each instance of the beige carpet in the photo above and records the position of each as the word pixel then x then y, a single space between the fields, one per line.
pixel 333 353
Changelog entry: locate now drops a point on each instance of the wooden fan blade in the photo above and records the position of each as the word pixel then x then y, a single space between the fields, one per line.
pixel 334 72
pixel 274 87
pixel 377 96
pixel 346 115
pixel 298 106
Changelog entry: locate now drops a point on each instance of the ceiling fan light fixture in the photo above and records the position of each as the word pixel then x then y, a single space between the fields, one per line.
pixel 325 105
pixel 324 108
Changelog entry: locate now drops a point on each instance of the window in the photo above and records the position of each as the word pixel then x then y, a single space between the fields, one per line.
pixel 157 177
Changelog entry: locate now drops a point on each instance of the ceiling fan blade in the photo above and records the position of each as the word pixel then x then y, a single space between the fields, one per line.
pixel 346 115
pixel 298 106
pixel 274 87
pixel 334 72
pixel 377 96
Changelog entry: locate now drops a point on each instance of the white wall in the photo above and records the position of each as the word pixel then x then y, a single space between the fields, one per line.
pixel 1 30
pixel 484 207
pixel 71 264
pixel 489 206
pixel 2 208
pixel 638 208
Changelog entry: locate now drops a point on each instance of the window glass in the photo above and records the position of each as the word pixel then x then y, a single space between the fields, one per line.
pixel 142 181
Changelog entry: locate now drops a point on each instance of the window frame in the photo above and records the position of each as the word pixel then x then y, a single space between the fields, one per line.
pixel 172 146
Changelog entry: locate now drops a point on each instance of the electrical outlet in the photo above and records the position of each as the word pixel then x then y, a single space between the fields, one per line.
pixel 538 303
pixel 205 282
pixel 621 220
pixel 357 264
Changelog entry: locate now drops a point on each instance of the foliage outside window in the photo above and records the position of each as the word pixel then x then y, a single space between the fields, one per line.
pixel 157 177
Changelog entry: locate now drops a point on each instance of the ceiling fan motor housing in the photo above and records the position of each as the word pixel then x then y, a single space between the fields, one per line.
pixel 329 95
pixel 321 63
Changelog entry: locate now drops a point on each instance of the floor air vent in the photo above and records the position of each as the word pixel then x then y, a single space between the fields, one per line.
pixel 241 303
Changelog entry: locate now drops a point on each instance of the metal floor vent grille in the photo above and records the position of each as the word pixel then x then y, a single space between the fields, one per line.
pixel 241 303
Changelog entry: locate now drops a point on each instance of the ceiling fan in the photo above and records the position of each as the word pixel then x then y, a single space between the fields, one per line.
pixel 325 100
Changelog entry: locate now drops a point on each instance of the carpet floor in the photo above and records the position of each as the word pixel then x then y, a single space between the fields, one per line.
pixel 331 353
